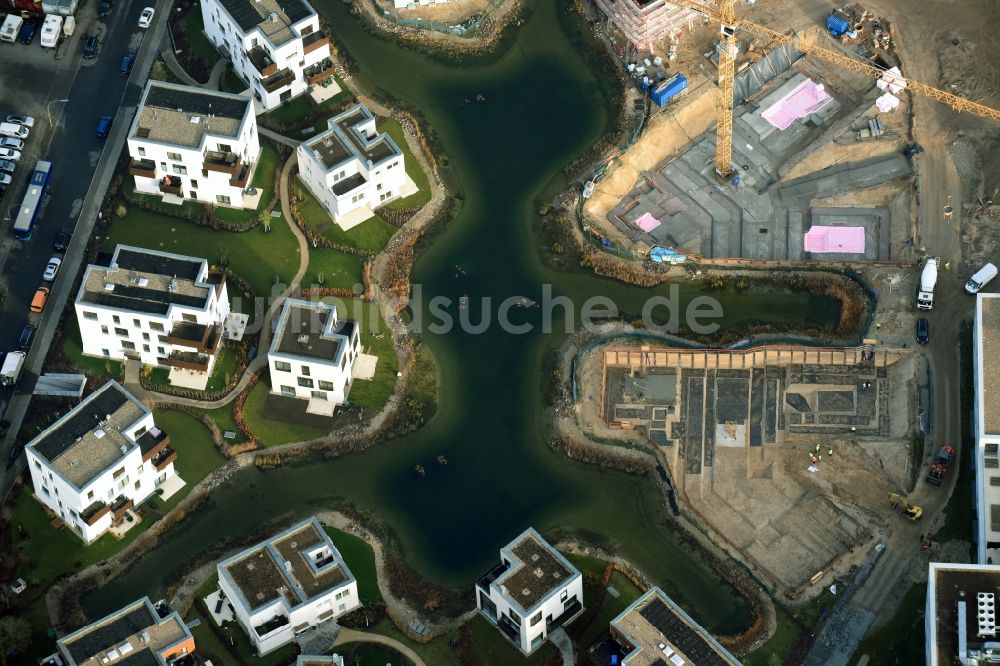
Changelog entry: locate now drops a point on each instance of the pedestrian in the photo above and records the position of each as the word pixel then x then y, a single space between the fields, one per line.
pixel 923 250
pixel 830 452
pixel 853 429
pixel 947 265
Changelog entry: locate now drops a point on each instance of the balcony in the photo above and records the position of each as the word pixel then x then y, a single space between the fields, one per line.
pixel 319 73
pixel 313 41
pixel 142 168
pixel 120 508
pixel 509 629
pixel 172 185
pixel 188 361
pixel 152 442
pixel 282 79
pixel 261 61
pixel 221 162
pixel 273 624
pixel 201 338
pixel 164 458
pixel 94 512
pixel 491 575
pixel 242 177
pixel 568 614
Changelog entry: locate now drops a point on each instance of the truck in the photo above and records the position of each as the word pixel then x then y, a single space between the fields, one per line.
pixel 11 370
pixel 10 28
pixel 939 466
pixel 51 31
pixel 928 280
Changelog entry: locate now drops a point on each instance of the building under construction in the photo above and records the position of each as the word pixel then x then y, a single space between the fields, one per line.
pixel 644 22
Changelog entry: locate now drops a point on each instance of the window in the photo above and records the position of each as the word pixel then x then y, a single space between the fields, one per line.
pixel 90 315
pixel 45 490
pixel 138 470
pixel 222 199
pixel 178 168
pixel 105 330
pixel 122 332
pixel 536 618
pixel 305 371
pixel 145 336
pixel 142 151
pixel 116 319
pixel 225 148
pixel 137 323
pixel 319 395
pixel 357 197
pixel 325 386
pixel 282 366
pixel 90 495
pixel 189 318
pixel 145 348
pixel 288 390
pixel 379 186
pixel 563 595
pixel 305 382
pixel 163 166
pixel 194 183
pixel 128 345
pixel 153 326
pixel 111 493
pixel 161 351
pixel 204 173
pixel 343 362
pixel 515 618
pixel 137 485
pixel 176 157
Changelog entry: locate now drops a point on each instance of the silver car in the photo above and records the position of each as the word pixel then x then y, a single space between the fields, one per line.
pixel 7 165
pixel 27 121
pixel 5 179
pixel 10 154
pixel 11 142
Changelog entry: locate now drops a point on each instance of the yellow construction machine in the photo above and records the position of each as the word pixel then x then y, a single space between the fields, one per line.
pixel 911 511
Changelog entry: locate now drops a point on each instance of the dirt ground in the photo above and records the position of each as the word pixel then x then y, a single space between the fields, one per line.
pixel 454 11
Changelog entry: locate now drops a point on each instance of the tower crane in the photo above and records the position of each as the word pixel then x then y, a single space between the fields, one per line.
pixel 729 25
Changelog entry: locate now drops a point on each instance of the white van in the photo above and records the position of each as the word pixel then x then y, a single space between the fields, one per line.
pixel 980 279
pixel 11 26
pixel 51 31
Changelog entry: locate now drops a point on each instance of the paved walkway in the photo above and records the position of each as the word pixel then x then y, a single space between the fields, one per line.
pixel 561 640
pixel 355 636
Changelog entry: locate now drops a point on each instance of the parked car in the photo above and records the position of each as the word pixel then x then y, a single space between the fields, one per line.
pixel 90 48
pixel 127 60
pixel 7 165
pixel 27 121
pixel 39 300
pixel 27 336
pixel 10 154
pixel 5 180
pixel 104 8
pixel 103 127
pixel 52 269
pixel 62 240
pixel 27 34
pixel 146 17
pixel 11 142
pixel 16 131
pixel 923 331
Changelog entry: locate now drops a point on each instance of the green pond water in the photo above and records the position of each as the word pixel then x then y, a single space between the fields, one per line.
pixel 543 107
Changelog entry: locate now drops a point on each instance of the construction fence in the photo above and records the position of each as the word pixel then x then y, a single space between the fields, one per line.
pixel 466 28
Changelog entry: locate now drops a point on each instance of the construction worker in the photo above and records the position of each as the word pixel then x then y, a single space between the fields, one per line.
pixel 853 429
pixel 923 250
pixel 947 265
pixel 830 452
pixel 878 325
pixel 817 448
pixel 820 458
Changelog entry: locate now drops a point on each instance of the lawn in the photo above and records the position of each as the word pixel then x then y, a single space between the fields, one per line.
pixel 256 256
pixel 208 641
pixel 226 368
pixel 161 72
pixel 611 607
pixel 901 639
pixel 787 634
pixel 223 417
pixel 302 113
pixel 376 340
pixel 413 170
pixel 360 559
pixel 370 654
pixel 263 179
pixel 73 348
pixel 194 28
pixel 489 647
pixel 369 236
pixel 231 81
pixel 330 268
pixel 271 432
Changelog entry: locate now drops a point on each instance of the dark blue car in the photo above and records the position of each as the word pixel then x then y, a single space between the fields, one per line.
pixel 104 8
pixel 27 34
pixel 103 127
pixel 127 61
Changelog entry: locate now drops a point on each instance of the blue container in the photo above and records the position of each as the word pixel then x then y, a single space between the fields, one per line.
pixel 837 25
pixel 669 89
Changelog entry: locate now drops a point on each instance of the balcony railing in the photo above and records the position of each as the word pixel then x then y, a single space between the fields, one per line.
pixel 201 338
pixel 262 61
pixel 280 80
pixel 152 442
pixel 188 361
pixel 94 512
pixel 321 71
pixel 120 508
pixel 508 628
pixel 491 575
pixel 568 613
pixel 142 168
pixel 242 177
pixel 221 162
pixel 172 185
pixel 164 458
pixel 314 41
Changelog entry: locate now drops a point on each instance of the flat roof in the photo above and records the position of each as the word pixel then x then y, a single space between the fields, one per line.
pixel 536 570
pixel 311 330
pixel 136 635
pixel 660 632
pixel 274 18
pixel 295 566
pixel 948 585
pixel 89 439
pixel 344 139
pixel 990 360
pixel 147 281
pixel 182 115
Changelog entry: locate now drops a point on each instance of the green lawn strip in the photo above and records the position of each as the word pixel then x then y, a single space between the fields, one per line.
pixel 611 608
pixel 489 647
pixel 369 236
pixel 206 639
pixel 330 268
pixel 231 81
pixel 300 114
pixel 161 72
pixel 413 170
pixel 201 47
pixel 272 432
pixel 226 366
pixel 786 635
pixel 376 340
pixel 263 179
pixel 360 559
pixel 73 348
pixel 370 654
pixel 436 651
pixel 256 256
pixel 901 639
pixel 223 417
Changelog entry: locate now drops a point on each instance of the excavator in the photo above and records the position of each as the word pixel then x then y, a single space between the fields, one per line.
pixel 911 511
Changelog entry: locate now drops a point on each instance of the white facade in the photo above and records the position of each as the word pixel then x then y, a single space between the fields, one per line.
pixel 986 344
pixel 403 4
pixel 193 143
pixel 313 352
pixel 287 585
pixel 98 460
pixel 276 47
pixel 159 308
pixel 352 167
pixel 960 622
pixel 533 591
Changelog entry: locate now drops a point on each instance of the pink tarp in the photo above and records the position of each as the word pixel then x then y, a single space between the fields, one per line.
pixel 847 240
pixel 647 222
pixel 807 97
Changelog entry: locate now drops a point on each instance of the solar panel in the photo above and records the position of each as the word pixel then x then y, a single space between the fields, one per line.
pixel 689 642
pixel 199 103
pixel 86 417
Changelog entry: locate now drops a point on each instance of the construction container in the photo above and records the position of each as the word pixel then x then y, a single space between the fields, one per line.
pixel 669 89
pixel 837 25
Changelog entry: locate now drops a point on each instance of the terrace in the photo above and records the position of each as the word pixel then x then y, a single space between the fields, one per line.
pixel 203 338
pixel 152 442
pixel 313 41
pixel 487 579
pixel 172 185
pixel 262 61
pixel 221 162
pixel 188 361
pixel 278 81
pixel 142 168
pixel 166 456
pixel 241 177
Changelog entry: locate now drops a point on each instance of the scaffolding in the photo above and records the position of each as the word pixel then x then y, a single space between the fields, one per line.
pixel 643 23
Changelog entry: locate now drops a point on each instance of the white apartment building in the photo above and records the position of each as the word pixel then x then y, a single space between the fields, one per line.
pixel 155 307
pixel 960 619
pixel 533 591
pixel 351 168
pixel 99 460
pixel 137 634
pixel 986 421
pixel 287 585
pixel 194 143
pixel 654 630
pixel 313 352
pixel 275 45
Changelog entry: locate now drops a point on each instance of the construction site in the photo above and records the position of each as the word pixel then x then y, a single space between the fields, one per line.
pixel 788 454
pixel 811 157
